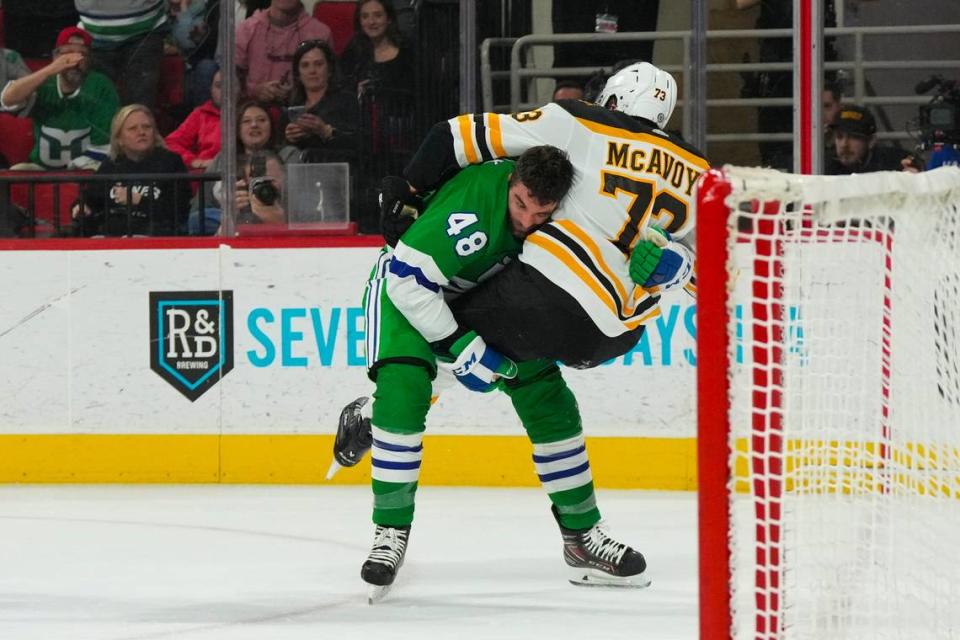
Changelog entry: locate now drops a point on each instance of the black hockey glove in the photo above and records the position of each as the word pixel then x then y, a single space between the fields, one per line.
pixel 398 208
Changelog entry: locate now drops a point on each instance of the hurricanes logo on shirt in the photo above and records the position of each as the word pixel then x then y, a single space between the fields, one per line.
pixel 58 147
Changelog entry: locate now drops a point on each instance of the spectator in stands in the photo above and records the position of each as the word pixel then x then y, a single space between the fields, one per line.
pixel 321 116
pixel 265 46
pixel 12 67
pixel 568 90
pixel 832 99
pixel 195 32
pixel 255 133
pixel 71 107
pixel 12 219
pixel 197 139
pixel 250 7
pixel 830 107
pixel 377 57
pixel 256 204
pixel 856 149
pixel 127 44
pixel 135 207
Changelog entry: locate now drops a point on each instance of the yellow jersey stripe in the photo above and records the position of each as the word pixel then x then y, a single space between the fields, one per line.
pixel 496 136
pixel 633 323
pixel 558 251
pixel 466 134
pixel 617 132
pixel 594 251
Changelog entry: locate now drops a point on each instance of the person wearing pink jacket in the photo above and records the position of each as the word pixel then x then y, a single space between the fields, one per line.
pixel 197 139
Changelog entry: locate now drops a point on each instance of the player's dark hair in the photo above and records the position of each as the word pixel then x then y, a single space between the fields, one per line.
pixel 546 171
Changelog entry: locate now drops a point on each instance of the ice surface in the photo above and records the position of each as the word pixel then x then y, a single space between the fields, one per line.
pixel 283 563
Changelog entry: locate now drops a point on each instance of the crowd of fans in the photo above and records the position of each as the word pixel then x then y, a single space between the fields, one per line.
pixel 94 106
pixel 305 96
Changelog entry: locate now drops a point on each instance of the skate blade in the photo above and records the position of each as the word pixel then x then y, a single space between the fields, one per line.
pixel 377 593
pixel 595 578
pixel 334 467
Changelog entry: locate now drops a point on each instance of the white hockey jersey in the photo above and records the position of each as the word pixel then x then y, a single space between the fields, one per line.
pixel 628 175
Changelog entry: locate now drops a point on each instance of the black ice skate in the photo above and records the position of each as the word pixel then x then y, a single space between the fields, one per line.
pixel 354 436
pixel 597 560
pixel 385 559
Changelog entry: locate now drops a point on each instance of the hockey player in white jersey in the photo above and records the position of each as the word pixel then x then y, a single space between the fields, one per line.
pixel 597 270
pixel 586 282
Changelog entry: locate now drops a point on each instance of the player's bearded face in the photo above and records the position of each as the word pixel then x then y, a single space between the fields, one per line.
pixel 525 211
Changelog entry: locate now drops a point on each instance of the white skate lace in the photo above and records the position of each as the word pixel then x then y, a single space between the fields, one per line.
pixel 600 544
pixel 388 546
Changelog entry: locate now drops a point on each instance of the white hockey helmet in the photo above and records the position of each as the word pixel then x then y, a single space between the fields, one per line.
pixel 641 90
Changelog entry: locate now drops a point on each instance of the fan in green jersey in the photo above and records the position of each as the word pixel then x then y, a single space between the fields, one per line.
pixel 71 107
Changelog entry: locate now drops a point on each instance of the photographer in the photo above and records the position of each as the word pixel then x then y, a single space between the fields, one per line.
pixel 856 148
pixel 259 196
pixel 255 132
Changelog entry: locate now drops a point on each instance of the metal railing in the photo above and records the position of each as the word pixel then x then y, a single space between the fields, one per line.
pixel 858 66
pixel 59 219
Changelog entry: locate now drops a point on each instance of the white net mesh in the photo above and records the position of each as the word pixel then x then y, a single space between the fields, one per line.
pixel 845 405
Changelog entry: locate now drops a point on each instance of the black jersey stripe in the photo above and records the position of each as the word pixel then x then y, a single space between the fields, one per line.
pixel 480 133
pixel 586 260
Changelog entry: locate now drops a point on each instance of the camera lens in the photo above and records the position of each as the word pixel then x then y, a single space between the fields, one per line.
pixel 264 190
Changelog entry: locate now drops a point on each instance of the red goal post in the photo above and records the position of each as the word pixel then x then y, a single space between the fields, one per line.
pixel 828 332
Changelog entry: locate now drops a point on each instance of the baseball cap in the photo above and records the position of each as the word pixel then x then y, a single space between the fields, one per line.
pixel 73 32
pixel 855 120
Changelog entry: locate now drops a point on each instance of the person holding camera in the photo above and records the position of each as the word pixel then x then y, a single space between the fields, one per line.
pixel 260 189
pixel 135 206
pixel 320 116
pixel 856 149
pixel 255 132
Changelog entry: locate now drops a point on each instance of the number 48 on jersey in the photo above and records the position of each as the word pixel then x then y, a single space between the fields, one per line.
pixel 457 223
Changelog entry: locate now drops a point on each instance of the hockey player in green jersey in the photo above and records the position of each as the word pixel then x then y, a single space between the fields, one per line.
pixel 465 236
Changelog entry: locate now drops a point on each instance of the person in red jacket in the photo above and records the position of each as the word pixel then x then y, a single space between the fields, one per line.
pixel 197 139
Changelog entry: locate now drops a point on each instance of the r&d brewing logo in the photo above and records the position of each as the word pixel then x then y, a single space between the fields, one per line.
pixel 191 338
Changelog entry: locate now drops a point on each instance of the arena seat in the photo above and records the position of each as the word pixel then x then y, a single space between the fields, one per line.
pixel 43 200
pixel 339 17
pixel 16 138
pixel 170 90
pixel 34 64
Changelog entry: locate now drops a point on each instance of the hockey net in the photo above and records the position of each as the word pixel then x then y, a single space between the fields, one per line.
pixel 829 405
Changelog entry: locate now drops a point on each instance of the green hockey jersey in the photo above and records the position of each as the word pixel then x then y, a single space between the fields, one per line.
pixel 463 237
pixel 67 127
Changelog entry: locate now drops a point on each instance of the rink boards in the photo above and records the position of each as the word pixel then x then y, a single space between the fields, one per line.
pixel 151 361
